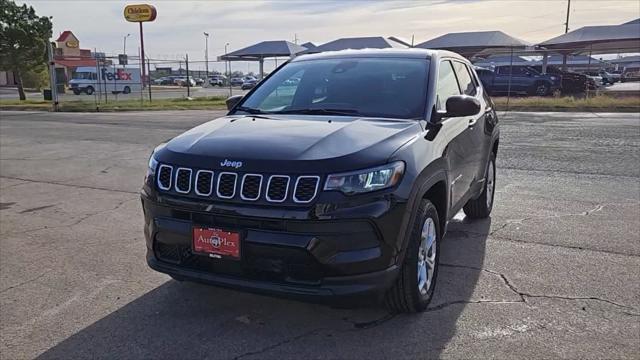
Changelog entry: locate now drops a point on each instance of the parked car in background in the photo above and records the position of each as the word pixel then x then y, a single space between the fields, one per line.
pixel 249 83
pixel 165 80
pixel 183 80
pixel 217 80
pixel 198 81
pixel 237 81
pixel 609 77
pixel 518 79
pixel 570 82
pixel 631 74
pixel 595 77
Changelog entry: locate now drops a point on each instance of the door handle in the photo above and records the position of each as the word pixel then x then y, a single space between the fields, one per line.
pixel 472 122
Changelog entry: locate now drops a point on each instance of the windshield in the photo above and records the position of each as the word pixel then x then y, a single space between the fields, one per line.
pixel 84 76
pixel 372 87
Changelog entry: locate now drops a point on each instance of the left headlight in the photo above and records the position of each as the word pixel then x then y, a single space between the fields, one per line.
pixel 366 180
pixel 153 163
pixel 553 78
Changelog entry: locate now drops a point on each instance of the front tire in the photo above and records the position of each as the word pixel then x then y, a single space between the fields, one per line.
pixel 416 282
pixel 89 90
pixel 480 207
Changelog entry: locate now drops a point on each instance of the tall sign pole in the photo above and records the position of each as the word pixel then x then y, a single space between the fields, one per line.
pixel 142 55
pixel 140 13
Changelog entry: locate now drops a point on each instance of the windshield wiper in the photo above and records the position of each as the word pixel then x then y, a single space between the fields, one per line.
pixel 343 112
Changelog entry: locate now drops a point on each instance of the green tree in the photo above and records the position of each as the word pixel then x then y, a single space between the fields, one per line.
pixel 24 38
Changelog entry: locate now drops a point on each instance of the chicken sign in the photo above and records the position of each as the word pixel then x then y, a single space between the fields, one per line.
pixel 140 13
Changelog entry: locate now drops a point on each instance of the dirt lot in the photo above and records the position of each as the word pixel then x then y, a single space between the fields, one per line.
pixel 553 273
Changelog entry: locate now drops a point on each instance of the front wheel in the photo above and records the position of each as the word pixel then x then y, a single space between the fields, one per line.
pixel 416 282
pixel 480 207
pixel 89 90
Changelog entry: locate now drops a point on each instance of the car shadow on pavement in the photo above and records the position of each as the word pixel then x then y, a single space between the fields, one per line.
pixel 188 321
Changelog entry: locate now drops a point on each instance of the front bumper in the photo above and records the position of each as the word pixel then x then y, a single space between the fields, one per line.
pixel 284 251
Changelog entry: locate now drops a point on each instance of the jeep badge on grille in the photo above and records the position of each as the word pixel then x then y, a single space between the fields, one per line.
pixel 233 164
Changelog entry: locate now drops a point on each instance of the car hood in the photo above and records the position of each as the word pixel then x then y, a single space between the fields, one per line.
pixel 295 142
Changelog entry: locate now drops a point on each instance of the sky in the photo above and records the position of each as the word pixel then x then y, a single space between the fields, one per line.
pixel 179 27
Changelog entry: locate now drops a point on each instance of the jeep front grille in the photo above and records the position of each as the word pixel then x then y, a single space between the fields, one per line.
pixel 204 182
pixel 277 188
pixel 252 187
pixel 305 189
pixel 183 180
pixel 165 173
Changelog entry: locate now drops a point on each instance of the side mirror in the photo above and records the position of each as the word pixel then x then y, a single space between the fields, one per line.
pixel 233 101
pixel 462 105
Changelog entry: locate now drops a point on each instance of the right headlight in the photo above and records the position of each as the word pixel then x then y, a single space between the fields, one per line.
pixel 366 180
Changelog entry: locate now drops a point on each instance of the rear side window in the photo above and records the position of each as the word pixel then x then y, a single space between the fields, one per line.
pixel 447 84
pixel 464 78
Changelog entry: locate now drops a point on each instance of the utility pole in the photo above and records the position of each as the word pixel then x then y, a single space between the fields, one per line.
pixel 186 60
pixel 206 56
pixel 295 39
pixel 228 72
pixel 566 30
pixel 124 46
pixel 566 24
pixel 52 77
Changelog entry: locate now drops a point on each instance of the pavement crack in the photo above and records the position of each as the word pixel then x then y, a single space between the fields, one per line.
pixel 278 344
pixel 360 325
pixel 524 295
pixel 69 185
pixel 24 282
pixel 36 209
pixel 572 247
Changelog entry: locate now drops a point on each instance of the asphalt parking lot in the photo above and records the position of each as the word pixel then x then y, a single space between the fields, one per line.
pixel 553 273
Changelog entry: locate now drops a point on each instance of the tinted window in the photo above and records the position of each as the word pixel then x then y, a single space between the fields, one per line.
pixel 464 79
pixel 377 87
pixel 447 84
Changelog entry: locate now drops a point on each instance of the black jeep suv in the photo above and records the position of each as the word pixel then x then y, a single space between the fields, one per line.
pixel 337 185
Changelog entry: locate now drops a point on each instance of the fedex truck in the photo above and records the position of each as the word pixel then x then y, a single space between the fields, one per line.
pixel 105 79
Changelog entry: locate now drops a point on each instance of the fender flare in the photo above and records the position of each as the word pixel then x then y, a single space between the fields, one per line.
pixel 435 172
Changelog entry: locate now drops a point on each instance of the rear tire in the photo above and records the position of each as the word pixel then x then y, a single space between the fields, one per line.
pixel 480 207
pixel 126 90
pixel 541 89
pixel 416 282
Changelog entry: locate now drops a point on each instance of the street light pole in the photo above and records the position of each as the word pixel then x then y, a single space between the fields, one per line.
pixel 124 46
pixel 206 55
pixel 227 72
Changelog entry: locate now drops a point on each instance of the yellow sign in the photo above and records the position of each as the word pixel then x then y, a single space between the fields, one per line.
pixel 72 44
pixel 140 13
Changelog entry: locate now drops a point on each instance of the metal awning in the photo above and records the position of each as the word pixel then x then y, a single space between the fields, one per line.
pixel 475 43
pixel 597 40
pixel 263 50
pixel 355 43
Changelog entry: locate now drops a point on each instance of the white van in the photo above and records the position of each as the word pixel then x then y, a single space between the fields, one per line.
pixel 111 79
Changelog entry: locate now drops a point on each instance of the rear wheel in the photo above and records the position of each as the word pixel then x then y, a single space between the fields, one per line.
pixel 480 207
pixel 542 89
pixel 126 90
pixel 416 282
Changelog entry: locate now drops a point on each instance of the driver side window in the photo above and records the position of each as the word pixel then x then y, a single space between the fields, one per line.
pixel 447 84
